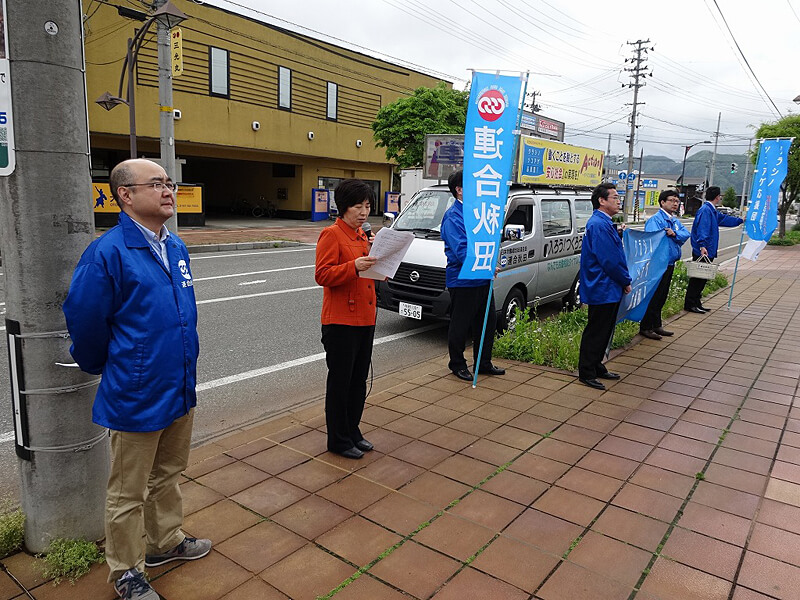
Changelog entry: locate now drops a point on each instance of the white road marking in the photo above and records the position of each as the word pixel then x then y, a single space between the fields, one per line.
pixel 252 273
pixel 214 383
pixel 245 296
pixel 195 257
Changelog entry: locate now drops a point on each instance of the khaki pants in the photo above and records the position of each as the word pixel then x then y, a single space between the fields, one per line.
pixel 144 508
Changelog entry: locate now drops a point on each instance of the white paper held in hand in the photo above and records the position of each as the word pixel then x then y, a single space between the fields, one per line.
pixel 389 247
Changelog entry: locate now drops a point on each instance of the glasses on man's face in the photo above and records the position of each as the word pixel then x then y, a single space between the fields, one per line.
pixel 158 186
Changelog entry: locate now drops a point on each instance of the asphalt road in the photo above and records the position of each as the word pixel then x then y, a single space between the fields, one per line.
pixel 260 342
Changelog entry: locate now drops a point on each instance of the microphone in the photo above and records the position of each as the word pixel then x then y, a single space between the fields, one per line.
pixel 366 228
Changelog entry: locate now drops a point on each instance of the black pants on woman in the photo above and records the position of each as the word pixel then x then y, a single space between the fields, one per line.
pixel 652 317
pixel 595 339
pixel 348 352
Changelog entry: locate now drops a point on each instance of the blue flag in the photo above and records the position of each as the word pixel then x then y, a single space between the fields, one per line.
pixel 647 254
pixel 771 168
pixel 489 140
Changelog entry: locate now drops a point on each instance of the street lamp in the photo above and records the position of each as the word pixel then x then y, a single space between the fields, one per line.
pixel 168 16
pixel 683 168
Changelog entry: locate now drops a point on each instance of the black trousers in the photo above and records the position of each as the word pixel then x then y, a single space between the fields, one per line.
pixel 595 339
pixel 467 309
pixel 694 290
pixel 348 352
pixel 652 317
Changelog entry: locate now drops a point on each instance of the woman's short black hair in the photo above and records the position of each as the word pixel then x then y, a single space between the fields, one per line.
pixel 350 192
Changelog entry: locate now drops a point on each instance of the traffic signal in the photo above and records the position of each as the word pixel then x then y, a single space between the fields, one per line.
pixel 733 167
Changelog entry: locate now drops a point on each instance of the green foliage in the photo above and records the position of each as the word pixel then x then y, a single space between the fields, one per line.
pixel 400 127
pixel 791 238
pixel 12 523
pixel 788 126
pixel 796 226
pixel 729 198
pixel 70 559
pixel 555 342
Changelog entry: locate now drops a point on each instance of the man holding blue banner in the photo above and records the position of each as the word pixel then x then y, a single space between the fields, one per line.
pixel 604 279
pixel 468 297
pixel 664 220
pixel 705 241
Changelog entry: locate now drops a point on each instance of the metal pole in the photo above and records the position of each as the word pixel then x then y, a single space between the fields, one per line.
pixel 746 175
pixel 131 99
pixel 46 222
pixel 165 108
pixel 638 187
pixel 714 155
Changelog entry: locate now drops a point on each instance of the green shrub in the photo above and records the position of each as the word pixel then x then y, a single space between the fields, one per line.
pixel 70 559
pixel 776 241
pixel 555 342
pixel 796 226
pixel 12 527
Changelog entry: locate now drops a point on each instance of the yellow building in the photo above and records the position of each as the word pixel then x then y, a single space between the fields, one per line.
pixel 266 114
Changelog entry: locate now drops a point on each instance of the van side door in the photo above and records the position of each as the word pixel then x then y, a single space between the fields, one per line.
pixel 518 260
pixel 561 246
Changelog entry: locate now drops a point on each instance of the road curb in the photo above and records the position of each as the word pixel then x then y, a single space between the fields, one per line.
pixel 200 248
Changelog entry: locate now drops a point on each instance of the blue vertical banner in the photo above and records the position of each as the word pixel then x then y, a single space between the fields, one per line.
pixel 489 150
pixel 771 168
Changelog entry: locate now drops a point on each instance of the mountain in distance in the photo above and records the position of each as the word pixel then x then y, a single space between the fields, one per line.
pixel 695 167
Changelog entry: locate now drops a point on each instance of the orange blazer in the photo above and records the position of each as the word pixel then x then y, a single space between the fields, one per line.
pixel 347 298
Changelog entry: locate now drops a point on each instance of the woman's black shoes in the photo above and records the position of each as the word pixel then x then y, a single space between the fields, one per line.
pixel 351 453
pixel 364 446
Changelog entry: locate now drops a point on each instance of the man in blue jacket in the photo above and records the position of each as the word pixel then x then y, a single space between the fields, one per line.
pixel 604 279
pixel 665 220
pixel 705 240
pixel 132 317
pixel 467 296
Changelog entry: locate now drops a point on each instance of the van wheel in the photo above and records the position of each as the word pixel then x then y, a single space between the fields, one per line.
pixel 572 301
pixel 508 318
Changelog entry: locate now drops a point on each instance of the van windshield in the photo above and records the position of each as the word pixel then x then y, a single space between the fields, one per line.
pixel 425 211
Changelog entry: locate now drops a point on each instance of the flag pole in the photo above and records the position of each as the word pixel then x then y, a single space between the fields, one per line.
pixel 491 281
pixel 736 268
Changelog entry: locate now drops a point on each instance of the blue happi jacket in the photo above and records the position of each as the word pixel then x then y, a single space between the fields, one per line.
pixel 454 236
pixel 134 321
pixel 661 221
pixel 705 229
pixel 604 270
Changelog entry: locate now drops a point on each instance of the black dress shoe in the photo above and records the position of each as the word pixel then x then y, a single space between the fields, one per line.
pixel 694 309
pixel 463 374
pixel 593 383
pixel 491 370
pixel 351 453
pixel 703 308
pixel 664 332
pixel 650 334
pixel 608 375
pixel 364 445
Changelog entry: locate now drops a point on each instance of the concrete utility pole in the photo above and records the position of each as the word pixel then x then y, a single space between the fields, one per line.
pixel 46 222
pixel 743 201
pixel 638 71
pixel 714 155
pixel 165 108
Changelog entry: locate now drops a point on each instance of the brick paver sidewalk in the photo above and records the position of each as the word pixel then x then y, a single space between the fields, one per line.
pixel 681 482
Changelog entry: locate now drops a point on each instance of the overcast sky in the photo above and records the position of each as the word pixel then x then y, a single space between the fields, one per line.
pixel 575 52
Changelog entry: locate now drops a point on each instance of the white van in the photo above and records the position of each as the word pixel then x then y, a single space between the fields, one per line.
pixel 540 267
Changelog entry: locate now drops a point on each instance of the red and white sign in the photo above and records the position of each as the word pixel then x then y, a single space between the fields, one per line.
pixel 549 127
pixel 491 105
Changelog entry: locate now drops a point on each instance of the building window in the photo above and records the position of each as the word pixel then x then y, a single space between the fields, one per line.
pixel 219 79
pixel 333 101
pixel 284 88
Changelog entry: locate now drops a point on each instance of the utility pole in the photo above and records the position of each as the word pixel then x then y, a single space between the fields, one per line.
pixel 608 154
pixel 714 155
pixel 638 187
pixel 167 119
pixel 532 95
pixel 46 222
pixel 637 72
pixel 743 201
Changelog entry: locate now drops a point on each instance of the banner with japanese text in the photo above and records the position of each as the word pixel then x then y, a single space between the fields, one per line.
pixel 647 254
pixel 771 168
pixel 545 162
pixel 489 137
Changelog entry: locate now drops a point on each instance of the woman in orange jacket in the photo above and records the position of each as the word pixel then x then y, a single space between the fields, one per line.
pixel 348 316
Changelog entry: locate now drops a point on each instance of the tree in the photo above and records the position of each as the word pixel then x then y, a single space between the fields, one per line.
pixel 729 198
pixel 400 127
pixel 786 127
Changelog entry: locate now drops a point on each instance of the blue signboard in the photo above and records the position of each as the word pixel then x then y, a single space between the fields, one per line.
pixel 762 216
pixel 492 117
pixel 649 183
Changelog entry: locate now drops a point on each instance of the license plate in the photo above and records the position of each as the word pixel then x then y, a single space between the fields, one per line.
pixel 413 311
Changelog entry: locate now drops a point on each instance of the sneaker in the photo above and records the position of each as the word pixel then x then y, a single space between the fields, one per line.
pixel 133 586
pixel 188 549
